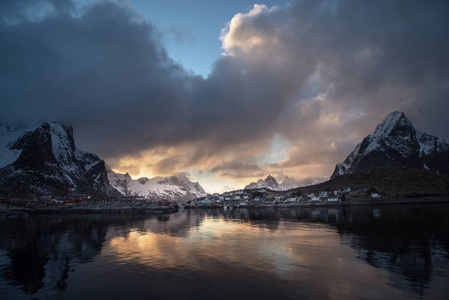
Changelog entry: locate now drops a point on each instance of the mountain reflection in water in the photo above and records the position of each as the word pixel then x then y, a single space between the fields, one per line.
pixel 399 251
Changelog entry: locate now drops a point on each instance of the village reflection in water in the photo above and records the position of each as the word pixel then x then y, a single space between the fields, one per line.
pixel 399 251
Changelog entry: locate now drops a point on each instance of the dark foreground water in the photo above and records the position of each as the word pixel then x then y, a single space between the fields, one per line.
pixel 393 252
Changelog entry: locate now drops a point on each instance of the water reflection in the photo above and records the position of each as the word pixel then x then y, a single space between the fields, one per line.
pixel 362 252
pixel 38 253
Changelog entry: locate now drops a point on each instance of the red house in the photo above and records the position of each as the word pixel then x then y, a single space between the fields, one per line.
pixel 69 200
pixel 80 197
pixel 163 202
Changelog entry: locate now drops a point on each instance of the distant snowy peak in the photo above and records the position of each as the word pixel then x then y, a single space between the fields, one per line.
pixel 173 188
pixel 270 183
pixel 288 183
pixel 396 143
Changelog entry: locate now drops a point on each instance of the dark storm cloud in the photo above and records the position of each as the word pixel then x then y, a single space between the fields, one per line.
pixel 105 70
pixel 239 170
pixel 384 51
pixel 14 11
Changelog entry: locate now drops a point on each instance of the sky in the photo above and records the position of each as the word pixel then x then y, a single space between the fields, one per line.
pixel 225 91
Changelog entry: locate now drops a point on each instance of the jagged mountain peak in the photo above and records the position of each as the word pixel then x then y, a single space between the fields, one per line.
pixel 396 143
pixel 269 182
pixel 45 161
pixel 395 123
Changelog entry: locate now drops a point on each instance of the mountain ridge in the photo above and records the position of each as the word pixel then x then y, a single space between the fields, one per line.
pixel 45 161
pixel 396 143
pixel 173 188
pixel 286 183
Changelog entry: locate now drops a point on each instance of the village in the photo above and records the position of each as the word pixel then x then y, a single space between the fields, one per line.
pixel 267 198
pixel 234 199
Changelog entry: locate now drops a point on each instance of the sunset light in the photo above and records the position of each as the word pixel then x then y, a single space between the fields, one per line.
pixel 284 149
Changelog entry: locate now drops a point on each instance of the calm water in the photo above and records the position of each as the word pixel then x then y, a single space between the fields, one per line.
pixel 394 252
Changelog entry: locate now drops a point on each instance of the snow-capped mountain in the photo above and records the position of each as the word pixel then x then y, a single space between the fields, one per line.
pixel 286 183
pixel 174 188
pixel 269 183
pixel 396 143
pixel 44 161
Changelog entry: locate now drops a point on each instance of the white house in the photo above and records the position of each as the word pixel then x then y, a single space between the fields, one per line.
pixel 290 200
pixel 203 201
pixel 332 199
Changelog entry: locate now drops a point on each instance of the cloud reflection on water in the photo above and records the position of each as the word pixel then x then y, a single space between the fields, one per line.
pixel 358 252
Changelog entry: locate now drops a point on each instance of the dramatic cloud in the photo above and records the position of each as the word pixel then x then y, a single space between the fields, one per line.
pixel 318 74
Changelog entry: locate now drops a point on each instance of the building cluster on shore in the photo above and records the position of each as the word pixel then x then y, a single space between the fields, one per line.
pixel 240 198
pixel 263 197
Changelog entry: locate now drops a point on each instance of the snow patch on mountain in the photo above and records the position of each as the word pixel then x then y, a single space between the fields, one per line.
pixel 8 135
pixel 396 143
pixel 174 188
pixel 286 183
pixel 44 161
pixel 269 183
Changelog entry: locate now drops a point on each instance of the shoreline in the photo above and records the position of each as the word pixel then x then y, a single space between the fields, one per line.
pixel 385 201
pixel 113 208
pixel 144 209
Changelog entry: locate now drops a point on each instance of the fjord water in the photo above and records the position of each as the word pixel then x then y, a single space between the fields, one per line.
pixel 370 252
